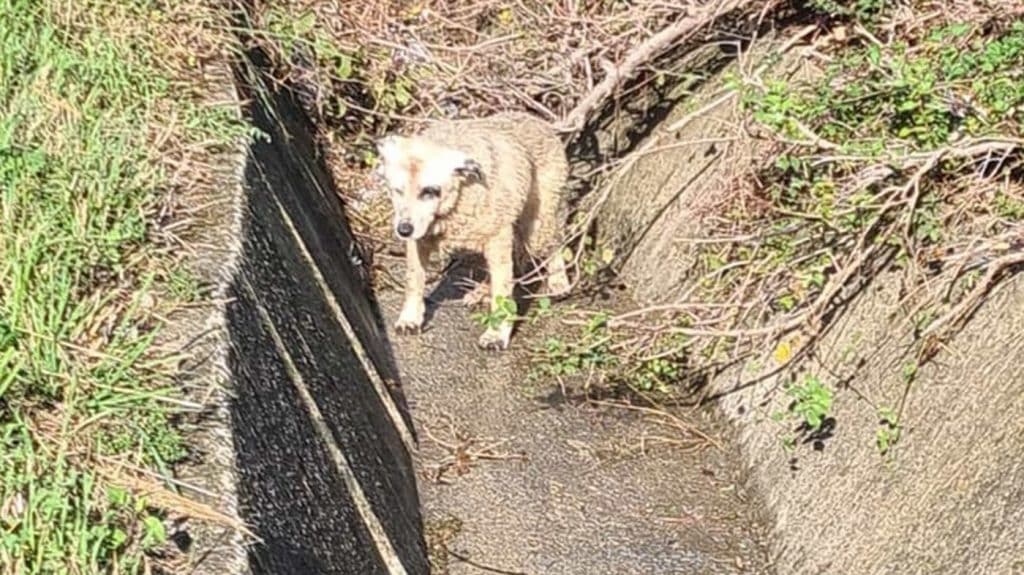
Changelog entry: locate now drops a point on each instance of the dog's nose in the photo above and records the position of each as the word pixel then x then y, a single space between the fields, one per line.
pixel 404 229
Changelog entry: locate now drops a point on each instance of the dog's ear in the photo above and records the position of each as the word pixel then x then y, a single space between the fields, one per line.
pixel 470 170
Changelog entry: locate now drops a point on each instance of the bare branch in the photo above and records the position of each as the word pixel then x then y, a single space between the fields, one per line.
pixel 644 53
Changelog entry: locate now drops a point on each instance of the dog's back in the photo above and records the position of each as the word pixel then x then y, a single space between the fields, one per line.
pixel 525 168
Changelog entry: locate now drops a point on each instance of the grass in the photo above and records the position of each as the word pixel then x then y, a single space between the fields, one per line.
pixel 95 101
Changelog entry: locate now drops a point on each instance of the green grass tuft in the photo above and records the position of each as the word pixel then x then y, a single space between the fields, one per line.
pixel 84 87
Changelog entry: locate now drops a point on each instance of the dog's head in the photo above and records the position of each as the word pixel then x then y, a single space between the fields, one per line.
pixel 425 179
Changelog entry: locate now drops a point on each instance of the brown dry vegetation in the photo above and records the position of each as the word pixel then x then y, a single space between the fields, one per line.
pixel 903 155
pixel 367 69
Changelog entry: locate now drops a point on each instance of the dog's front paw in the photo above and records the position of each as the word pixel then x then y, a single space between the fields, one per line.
pixel 410 321
pixel 496 339
pixel 403 327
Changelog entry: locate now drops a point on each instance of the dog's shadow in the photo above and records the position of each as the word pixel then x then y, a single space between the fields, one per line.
pixel 464 271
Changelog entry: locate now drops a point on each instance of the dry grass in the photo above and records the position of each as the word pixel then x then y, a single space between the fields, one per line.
pixel 368 69
pixel 462 450
pixel 105 122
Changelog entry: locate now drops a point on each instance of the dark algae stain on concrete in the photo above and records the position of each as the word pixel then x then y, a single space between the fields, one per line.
pixel 325 477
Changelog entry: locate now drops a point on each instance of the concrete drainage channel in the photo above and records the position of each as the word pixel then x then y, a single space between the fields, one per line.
pixel 308 442
pixel 312 443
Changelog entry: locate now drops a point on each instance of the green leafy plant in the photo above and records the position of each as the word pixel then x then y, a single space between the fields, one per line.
pixel 589 352
pixel 505 311
pixel 657 374
pixel 877 95
pixel 294 33
pixel 543 310
pixel 812 401
pixel 1009 207
pixel 888 433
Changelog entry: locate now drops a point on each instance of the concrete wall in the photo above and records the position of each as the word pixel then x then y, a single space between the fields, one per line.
pixel 952 499
pixel 305 438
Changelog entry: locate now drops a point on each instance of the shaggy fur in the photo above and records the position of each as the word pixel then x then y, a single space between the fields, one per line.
pixel 492 185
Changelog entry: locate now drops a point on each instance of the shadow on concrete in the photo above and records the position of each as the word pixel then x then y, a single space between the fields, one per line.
pixel 321 434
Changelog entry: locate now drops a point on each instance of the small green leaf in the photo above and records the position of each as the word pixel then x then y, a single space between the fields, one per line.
pixel 117 496
pixel 304 25
pixel 343 67
pixel 909 105
pixel 155 533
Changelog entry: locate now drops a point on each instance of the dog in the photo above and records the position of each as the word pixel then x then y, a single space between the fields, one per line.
pixel 494 185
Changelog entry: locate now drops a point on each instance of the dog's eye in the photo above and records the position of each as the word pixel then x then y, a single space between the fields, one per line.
pixel 430 192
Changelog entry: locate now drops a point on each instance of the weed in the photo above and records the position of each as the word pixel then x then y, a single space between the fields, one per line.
pixel 84 88
pixel 588 353
pixel 543 310
pixel 1009 207
pixel 865 11
pixel 811 402
pixel 593 353
pixel 506 310
pixel 876 97
pixel 347 76
pixel 888 433
pixel 656 374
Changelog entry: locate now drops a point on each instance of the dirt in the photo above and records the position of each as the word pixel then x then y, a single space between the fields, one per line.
pixel 515 478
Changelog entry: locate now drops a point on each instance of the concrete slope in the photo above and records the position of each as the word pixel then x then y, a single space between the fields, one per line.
pixel 568 491
pixel 951 501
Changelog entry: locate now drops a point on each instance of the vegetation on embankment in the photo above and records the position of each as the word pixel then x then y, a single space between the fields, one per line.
pixel 901 155
pixel 366 69
pixel 102 128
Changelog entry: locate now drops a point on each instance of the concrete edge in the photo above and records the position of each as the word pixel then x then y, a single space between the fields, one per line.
pixel 198 333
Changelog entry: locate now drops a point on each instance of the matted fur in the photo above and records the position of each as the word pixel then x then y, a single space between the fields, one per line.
pixel 495 185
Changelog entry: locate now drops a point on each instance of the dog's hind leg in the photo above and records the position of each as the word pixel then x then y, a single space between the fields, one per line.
pixel 476 293
pixel 557 281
